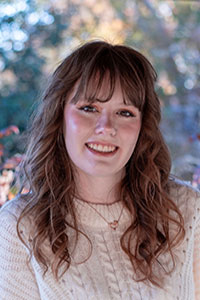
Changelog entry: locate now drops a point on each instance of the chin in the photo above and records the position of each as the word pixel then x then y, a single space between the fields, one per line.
pixel 104 173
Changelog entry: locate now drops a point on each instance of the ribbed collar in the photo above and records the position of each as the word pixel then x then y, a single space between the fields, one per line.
pixel 89 214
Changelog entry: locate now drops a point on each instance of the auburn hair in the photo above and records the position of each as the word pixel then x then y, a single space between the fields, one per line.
pixel 48 171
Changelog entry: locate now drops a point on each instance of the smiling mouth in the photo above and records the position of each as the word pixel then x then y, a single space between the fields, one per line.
pixel 101 148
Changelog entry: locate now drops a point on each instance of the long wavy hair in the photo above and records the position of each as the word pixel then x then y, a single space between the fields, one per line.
pixel 49 174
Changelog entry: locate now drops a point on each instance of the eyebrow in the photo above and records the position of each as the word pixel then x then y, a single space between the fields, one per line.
pixel 126 104
pixel 82 99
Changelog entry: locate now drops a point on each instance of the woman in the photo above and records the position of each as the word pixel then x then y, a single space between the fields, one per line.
pixel 102 218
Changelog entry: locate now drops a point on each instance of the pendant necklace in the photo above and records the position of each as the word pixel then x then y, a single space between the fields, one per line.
pixel 114 224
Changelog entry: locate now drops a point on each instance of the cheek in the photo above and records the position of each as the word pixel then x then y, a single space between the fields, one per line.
pixel 131 132
pixel 76 124
pixel 73 123
pixel 130 137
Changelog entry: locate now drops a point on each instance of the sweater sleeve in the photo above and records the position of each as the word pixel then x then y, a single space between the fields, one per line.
pixel 196 253
pixel 196 262
pixel 17 281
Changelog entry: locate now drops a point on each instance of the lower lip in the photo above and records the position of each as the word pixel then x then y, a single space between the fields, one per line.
pixel 105 154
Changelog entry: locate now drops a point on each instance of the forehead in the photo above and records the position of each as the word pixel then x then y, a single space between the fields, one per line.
pixel 99 91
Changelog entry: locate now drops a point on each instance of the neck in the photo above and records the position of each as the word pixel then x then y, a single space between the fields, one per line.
pixel 99 190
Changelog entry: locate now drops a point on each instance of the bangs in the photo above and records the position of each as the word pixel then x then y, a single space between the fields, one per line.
pixel 101 75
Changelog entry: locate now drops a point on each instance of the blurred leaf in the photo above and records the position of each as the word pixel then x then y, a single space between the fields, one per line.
pixel 8 131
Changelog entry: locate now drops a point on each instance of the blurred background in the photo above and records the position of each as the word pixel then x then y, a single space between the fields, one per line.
pixel 35 35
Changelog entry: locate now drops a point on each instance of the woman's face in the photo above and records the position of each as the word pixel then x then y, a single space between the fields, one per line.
pixel 100 137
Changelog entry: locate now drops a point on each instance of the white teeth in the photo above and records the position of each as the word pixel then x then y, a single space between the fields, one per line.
pixel 101 148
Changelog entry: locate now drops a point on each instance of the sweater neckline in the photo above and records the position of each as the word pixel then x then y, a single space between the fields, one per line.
pixel 94 215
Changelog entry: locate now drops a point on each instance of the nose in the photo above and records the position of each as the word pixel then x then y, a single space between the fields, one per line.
pixel 105 125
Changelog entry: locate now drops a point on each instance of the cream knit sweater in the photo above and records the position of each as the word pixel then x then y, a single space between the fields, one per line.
pixel 107 274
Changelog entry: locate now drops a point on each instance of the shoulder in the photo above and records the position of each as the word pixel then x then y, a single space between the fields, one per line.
pixel 12 209
pixel 9 215
pixel 178 187
pixel 186 197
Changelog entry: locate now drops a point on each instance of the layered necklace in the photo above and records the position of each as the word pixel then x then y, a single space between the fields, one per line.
pixel 113 224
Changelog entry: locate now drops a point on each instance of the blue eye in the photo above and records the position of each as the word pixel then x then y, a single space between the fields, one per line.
pixel 88 108
pixel 125 113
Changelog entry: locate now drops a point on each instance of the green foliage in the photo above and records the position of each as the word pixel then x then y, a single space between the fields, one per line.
pixel 20 61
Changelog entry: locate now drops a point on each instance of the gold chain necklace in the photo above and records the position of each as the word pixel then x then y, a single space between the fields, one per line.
pixel 114 224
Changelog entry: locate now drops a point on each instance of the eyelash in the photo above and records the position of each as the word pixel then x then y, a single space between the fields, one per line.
pixel 88 108
pixel 92 109
pixel 123 113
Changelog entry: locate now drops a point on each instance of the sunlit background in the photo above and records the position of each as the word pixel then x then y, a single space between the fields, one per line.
pixel 36 35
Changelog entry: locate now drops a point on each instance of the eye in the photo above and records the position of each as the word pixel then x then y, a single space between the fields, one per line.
pixel 88 108
pixel 125 113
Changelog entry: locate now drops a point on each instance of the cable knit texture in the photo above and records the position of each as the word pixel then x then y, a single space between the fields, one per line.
pixel 107 273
